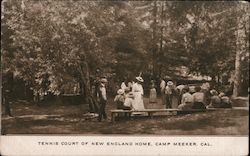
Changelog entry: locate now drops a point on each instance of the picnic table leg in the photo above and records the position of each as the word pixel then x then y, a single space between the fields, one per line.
pixel 112 117
pixel 150 114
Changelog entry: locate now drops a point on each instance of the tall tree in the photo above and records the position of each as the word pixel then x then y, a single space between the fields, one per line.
pixel 242 45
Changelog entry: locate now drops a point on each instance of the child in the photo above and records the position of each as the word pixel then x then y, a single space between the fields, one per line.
pixel 119 99
pixel 187 99
pixel 215 100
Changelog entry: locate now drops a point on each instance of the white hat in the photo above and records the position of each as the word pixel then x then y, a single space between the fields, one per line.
pixel 120 91
pixel 221 94
pixel 213 92
pixel 139 79
pixel 170 83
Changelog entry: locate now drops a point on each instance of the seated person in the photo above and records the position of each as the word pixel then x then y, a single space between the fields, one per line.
pixel 192 89
pixel 187 99
pixel 127 91
pixel 215 101
pixel 128 104
pixel 199 99
pixel 119 99
pixel 225 101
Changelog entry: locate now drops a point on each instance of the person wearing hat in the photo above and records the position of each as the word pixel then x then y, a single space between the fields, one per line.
pixel 119 99
pixel 186 100
pixel 169 94
pixel 138 94
pixel 103 99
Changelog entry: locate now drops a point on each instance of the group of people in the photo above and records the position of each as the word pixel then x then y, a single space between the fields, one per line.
pixel 130 96
pixel 194 97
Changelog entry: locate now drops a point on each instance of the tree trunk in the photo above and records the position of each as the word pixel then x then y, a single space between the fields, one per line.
pixel 161 41
pixel 154 46
pixel 85 78
pixel 240 48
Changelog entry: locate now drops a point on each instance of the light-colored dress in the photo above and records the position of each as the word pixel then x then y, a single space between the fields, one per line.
pixel 123 86
pixel 152 95
pixel 138 94
pixel 163 95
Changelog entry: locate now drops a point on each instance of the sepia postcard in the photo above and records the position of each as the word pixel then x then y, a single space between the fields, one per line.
pixel 120 77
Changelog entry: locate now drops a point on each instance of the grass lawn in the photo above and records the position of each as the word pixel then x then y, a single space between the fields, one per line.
pixel 72 119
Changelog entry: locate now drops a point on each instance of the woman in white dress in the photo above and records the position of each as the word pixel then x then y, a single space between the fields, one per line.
pixel 138 94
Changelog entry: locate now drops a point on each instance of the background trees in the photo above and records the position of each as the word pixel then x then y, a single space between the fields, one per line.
pixel 47 43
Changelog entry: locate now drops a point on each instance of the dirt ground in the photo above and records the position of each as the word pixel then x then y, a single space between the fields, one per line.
pixel 74 119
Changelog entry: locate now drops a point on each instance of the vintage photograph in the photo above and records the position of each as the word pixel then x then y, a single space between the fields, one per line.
pixel 125 67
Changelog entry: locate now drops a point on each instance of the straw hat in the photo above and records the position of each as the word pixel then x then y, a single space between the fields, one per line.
pixel 221 94
pixel 120 91
pixel 214 92
pixel 170 83
pixel 139 79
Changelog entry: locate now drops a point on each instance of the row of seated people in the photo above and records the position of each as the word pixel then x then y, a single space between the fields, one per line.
pixel 125 100
pixel 197 99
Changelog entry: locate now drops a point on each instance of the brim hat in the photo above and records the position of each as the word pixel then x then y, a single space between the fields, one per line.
pixel 170 83
pixel 139 79
pixel 221 94
pixel 214 92
pixel 120 91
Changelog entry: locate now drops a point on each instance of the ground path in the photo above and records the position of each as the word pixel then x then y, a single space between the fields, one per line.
pixel 73 119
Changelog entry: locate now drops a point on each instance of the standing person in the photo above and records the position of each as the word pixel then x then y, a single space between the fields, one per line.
pixel 169 94
pixel 152 94
pixel 103 99
pixel 199 99
pixel 162 87
pixel 179 89
pixel 138 94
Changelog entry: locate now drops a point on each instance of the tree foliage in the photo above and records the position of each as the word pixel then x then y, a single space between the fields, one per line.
pixel 47 43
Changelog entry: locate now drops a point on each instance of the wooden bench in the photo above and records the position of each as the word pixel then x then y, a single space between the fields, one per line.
pixel 150 112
